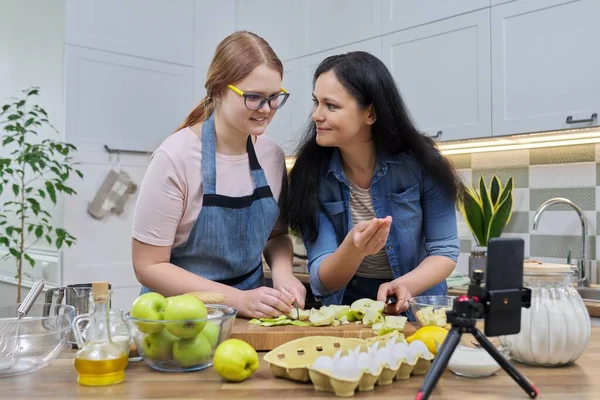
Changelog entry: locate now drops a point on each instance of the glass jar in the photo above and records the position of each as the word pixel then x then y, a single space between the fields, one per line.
pixel 556 328
pixel 100 360
pixel 119 330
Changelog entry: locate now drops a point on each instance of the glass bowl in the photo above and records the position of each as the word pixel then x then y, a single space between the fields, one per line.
pixel 30 343
pixel 476 362
pixel 164 351
pixel 431 310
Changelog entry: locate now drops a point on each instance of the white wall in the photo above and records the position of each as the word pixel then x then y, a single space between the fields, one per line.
pixel 32 54
pixel 127 89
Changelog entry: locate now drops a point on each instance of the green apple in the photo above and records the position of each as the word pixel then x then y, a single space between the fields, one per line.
pixel 149 306
pixel 235 360
pixel 185 309
pixel 211 331
pixel 189 352
pixel 159 345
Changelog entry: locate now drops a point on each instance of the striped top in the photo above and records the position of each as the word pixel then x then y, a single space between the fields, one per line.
pixel 361 207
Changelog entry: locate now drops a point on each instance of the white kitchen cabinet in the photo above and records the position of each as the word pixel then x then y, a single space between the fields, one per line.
pixel 498 2
pixel 327 24
pixel 276 21
pixel 286 126
pixel 398 15
pixel 442 70
pixel 160 30
pixel 309 64
pixel 213 22
pixel 122 101
pixel 545 63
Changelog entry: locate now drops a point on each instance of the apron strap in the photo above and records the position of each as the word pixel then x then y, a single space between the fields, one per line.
pixel 254 164
pixel 209 164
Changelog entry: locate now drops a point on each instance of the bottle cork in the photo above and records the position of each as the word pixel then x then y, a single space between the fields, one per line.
pixel 100 290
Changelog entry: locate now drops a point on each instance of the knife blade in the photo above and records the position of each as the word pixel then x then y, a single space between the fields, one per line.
pixel 295 303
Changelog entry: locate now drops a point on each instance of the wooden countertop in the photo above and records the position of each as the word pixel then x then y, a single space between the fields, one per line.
pixel 593 307
pixel 58 381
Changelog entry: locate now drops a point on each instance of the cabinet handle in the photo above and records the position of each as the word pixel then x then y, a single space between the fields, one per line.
pixel 436 136
pixel 570 119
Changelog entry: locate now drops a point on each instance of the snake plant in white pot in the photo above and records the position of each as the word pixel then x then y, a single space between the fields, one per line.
pixel 487 211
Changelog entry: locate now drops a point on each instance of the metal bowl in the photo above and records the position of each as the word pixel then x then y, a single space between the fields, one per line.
pixel 30 343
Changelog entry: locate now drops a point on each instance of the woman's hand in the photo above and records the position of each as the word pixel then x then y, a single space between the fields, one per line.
pixel 291 286
pixel 263 302
pixel 370 236
pixel 394 288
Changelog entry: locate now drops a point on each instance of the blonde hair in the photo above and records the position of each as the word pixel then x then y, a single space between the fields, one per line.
pixel 235 57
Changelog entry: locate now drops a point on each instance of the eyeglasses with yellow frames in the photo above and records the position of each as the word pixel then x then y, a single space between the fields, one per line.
pixel 255 101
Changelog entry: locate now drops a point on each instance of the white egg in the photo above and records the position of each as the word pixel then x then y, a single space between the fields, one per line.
pixel 419 350
pixel 400 351
pixel 390 343
pixel 372 349
pixel 363 361
pixel 346 370
pixel 373 368
pixel 337 355
pixel 323 363
pixel 383 358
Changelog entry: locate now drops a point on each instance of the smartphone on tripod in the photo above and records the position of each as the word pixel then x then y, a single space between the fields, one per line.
pixel 498 301
pixel 504 283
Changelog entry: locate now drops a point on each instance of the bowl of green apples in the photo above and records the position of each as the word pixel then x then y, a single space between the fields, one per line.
pixel 178 333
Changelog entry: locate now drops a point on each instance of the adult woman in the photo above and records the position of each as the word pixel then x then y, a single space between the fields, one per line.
pixel 373 198
pixel 207 209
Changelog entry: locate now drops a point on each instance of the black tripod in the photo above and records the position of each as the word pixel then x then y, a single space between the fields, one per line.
pixel 463 317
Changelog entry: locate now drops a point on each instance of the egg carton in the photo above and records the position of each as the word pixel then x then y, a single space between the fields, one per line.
pixel 292 359
pixel 404 368
pixel 324 382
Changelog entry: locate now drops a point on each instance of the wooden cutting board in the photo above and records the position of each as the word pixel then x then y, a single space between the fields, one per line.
pixel 265 338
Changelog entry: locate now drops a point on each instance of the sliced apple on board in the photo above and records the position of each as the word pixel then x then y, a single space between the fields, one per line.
pixel 323 316
pixel 365 311
pixel 297 314
pixel 372 316
pixel 390 324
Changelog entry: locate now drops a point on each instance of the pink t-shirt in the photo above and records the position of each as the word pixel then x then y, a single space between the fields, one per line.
pixel 170 196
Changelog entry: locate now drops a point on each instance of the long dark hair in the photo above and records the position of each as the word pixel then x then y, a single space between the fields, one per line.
pixel 368 80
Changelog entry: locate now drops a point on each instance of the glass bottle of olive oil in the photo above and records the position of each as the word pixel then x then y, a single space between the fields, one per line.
pixel 100 361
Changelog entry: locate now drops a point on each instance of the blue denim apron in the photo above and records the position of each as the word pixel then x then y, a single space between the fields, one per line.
pixel 227 240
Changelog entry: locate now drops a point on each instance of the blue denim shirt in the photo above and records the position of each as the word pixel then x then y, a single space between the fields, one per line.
pixel 423 219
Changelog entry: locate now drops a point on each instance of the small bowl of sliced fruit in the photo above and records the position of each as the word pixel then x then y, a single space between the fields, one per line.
pixel 431 310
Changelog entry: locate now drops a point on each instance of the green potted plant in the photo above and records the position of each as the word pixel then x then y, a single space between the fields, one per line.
pixel 486 211
pixel 35 170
